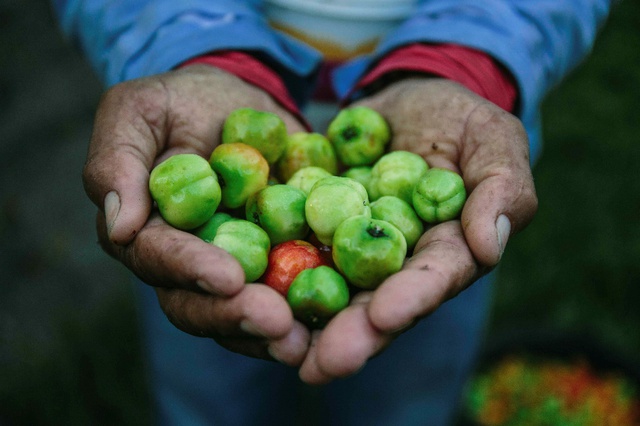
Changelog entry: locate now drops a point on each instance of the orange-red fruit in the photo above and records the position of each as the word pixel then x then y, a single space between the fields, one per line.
pixel 287 260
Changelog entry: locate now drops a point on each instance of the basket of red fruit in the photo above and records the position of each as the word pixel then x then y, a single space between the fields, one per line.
pixel 552 379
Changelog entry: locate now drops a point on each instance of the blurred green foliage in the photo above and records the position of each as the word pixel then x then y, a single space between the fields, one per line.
pixel 577 266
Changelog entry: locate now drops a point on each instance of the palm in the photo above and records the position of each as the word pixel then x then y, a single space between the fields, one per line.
pixel 200 287
pixel 453 128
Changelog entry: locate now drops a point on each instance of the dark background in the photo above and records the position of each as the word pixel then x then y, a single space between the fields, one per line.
pixel 69 350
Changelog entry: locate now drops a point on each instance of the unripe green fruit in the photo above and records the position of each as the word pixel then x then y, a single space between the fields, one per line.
pixel 396 173
pixel 359 135
pixel 262 130
pixel 307 177
pixel 361 174
pixel 208 230
pixel 306 149
pixel 367 251
pixel 279 210
pixel 401 215
pixel 316 295
pixel 242 171
pixel 248 243
pixel 186 190
pixel 331 201
pixel 439 195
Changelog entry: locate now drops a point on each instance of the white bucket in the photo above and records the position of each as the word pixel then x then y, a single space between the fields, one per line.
pixel 339 29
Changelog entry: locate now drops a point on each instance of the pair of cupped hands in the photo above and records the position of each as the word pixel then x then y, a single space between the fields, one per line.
pixel 201 288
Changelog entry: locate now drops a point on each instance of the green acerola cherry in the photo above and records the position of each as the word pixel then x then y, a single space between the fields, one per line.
pixel 262 130
pixel 400 214
pixel 316 295
pixel 439 195
pixel 279 210
pixel 248 243
pixel 186 190
pixel 359 135
pixel 367 251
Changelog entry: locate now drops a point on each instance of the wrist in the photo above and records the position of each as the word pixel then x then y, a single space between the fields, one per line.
pixel 252 71
pixel 473 69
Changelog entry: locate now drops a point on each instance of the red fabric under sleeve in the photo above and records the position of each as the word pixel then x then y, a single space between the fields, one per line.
pixel 475 70
pixel 251 70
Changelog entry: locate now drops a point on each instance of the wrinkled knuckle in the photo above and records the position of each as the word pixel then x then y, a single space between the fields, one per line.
pixel 453 244
pixel 482 113
pixel 151 104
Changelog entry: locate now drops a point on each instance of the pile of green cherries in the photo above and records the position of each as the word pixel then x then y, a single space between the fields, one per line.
pixel 315 216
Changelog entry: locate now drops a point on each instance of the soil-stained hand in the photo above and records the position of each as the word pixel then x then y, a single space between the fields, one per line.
pixel 450 127
pixel 200 287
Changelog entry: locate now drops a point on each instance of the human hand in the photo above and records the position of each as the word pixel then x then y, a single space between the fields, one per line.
pixel 450 127
pixel 200 287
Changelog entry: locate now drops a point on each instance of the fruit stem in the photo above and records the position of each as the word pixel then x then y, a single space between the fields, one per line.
pixel 256 218
pixel 351 132
pixel 376 231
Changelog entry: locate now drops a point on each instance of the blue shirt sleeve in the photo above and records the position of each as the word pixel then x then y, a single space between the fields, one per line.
pixel 539 42
pixel 130 39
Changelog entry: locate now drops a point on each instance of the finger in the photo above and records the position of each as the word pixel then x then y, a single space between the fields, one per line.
pixel 310 372
pixel 126 139
pixel 441 267
pixel 344 346
pixel 163 256
pixel 291 349
pixel 502 197
pixel 256 311
pixel 254 323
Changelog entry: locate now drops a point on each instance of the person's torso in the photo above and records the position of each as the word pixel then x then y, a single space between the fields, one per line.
pixel 339 29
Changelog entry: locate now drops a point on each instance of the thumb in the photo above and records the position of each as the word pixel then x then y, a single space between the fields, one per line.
pixel 121 153
pixel 490 216
pixel 125 200
pixel 496 169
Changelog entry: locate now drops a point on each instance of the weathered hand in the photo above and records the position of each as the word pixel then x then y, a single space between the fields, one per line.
pixel 201 288
pixel 450 127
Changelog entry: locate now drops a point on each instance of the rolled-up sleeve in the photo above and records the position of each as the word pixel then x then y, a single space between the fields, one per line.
pixel 130 39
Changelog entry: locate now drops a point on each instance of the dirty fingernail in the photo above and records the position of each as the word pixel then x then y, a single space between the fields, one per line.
pixel 111 209
pixel 250 328
pixel 208 287
pixel 273 351
pixel 503 227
